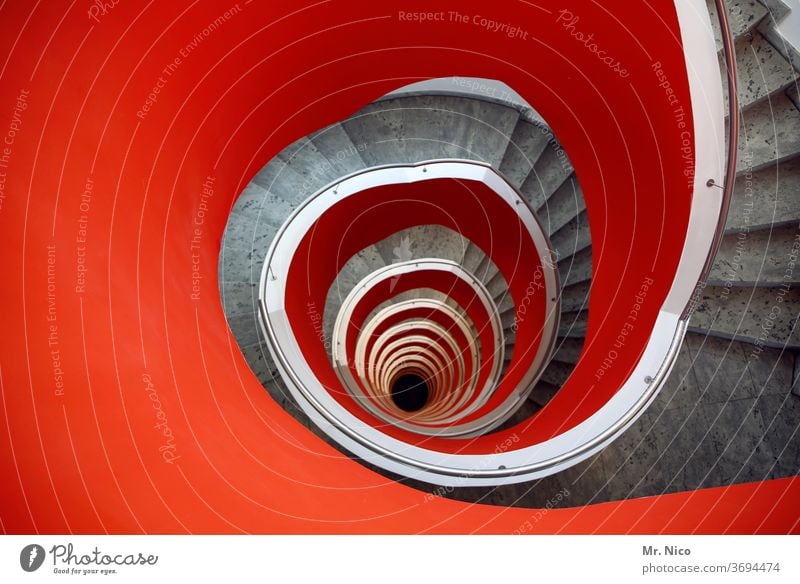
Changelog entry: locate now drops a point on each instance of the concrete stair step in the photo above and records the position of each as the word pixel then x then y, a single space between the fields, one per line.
pixel 527 143
pixel 497 285
pixel 441 242
pixel 452 304
pixel 743 17
pixel 239 297
pixel 240 265
pixel 770 132
pixel 761 316
pixel 371 258
pixel 339 150
pixel 253 201
pixel 244 247
pixel 720 370
pixel 282 182
pixel 778 11
pixel 556 373
pixel 731 401
pixel 473 256
pixel 572 332
pixel 762 70
pixel 308 162
pixel 504 302
pixel 379 127
pixel 565 204
pixel 571 329
pixel 511 338
pixel 455 127
pixel 486 269
pixel 245 328
pixel 260 361
pixel 575 297
pixel 416 128
pixel 568 350
pixel 574 319
pixel 256 205
pixel 422 241
pixel 507 319
pixel 352 272
pixel 573 237
pixel 765 257
pixel 551 169
pixel 766 197
pixel 543 392
pixel 575 268
pixel 249 232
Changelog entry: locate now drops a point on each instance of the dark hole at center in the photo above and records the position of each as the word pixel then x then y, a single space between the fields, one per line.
pixel 410 392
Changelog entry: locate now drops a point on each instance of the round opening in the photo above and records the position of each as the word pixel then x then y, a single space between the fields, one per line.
pixel 410 392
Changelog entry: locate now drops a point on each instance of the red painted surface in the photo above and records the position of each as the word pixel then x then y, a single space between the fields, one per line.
pixel 84 457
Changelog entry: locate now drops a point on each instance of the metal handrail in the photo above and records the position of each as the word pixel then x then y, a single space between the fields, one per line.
pixel 729 180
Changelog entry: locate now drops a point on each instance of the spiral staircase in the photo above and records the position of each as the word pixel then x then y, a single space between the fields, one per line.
pixel 406 131
pixel 310 267
pixel 735 371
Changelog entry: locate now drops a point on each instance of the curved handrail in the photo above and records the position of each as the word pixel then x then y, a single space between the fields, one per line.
pixel 729 180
